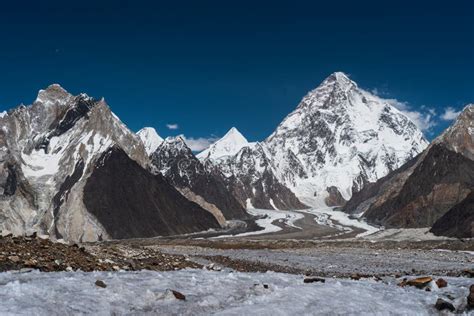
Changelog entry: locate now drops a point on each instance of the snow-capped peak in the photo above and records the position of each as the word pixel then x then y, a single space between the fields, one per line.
pixel 228 145
pixel 53 94
pixel 150 139
pixel 341 136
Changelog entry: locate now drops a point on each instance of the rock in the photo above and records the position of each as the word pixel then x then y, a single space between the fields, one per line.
pixel 313 279
pixel 101 284
pixel 14 259
pixel 442 305
pixel 419 282
pixel 265 286
pixel 441 283
pixel 470 297
pixel 30 262
pixel 355 276
pixel 468 273
pixel 178 295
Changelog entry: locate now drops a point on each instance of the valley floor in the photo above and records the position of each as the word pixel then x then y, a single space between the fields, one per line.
pixel 256 273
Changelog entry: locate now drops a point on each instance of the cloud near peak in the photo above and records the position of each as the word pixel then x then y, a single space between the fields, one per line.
pixel 172 126
pixel 200 143
pixel 425 119
pixel 450 114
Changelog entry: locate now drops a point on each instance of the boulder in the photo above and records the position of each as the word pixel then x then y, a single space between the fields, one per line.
pixel 442 305
pixel 178 295
pixel 313 279
pixel 470 297
pixel 419 282
pixel 441 283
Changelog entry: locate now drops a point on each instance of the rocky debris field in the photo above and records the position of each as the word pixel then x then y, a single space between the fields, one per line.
pixel 33 252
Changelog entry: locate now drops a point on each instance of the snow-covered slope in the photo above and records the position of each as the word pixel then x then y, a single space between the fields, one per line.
pixel 341 136
pixel 150 139
pixel 250 176
pixel 228 145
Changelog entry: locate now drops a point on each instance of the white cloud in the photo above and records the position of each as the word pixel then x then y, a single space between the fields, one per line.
pixel 450 114
pixel 200 143
pixel 424 119
pixel 173 126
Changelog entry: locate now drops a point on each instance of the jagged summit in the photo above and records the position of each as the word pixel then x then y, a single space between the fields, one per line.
pixel 460 136
pixel 53 94
pixel 176 143
pixel 339 77
pixel 228 145
pixel 150 139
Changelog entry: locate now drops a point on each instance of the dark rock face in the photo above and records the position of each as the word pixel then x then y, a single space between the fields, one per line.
pixel 265 189
pixel 130 202
pixel 436 189
pixel 458 221
pixel 335 197
pixel 363 199
pixel 183 170
pixel 439 181
pixel 12 181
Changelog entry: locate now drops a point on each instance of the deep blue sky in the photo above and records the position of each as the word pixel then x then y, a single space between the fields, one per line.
pixel 210 65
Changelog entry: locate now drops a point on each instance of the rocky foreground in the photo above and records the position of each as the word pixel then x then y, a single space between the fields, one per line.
pixel 33 252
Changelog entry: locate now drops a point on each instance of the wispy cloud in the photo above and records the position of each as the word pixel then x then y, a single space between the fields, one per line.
pixel 450 114
pixel 172 126
pixel 200 143
pixel 425 118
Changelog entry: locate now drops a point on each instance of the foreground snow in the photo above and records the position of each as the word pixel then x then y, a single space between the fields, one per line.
pixel 207 292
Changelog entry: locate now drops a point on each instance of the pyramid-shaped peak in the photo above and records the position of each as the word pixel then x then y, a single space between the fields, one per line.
pixel 235 134
pixel 150 139
pixel 460 136
pixel 53 94
pixel 339 78
pixel 228 145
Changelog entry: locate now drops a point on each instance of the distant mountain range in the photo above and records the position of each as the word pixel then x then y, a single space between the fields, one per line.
pixel 71 169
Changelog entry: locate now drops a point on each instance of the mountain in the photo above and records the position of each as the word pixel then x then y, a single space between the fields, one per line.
pixel 248 172
pixel 205 186
pixel 433 190
pixel 339 139
pixel 251 177
pixel 229 145
pixel 52 153
pixel 150 139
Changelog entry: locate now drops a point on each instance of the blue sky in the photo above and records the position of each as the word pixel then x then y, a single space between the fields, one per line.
pixel 200 67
